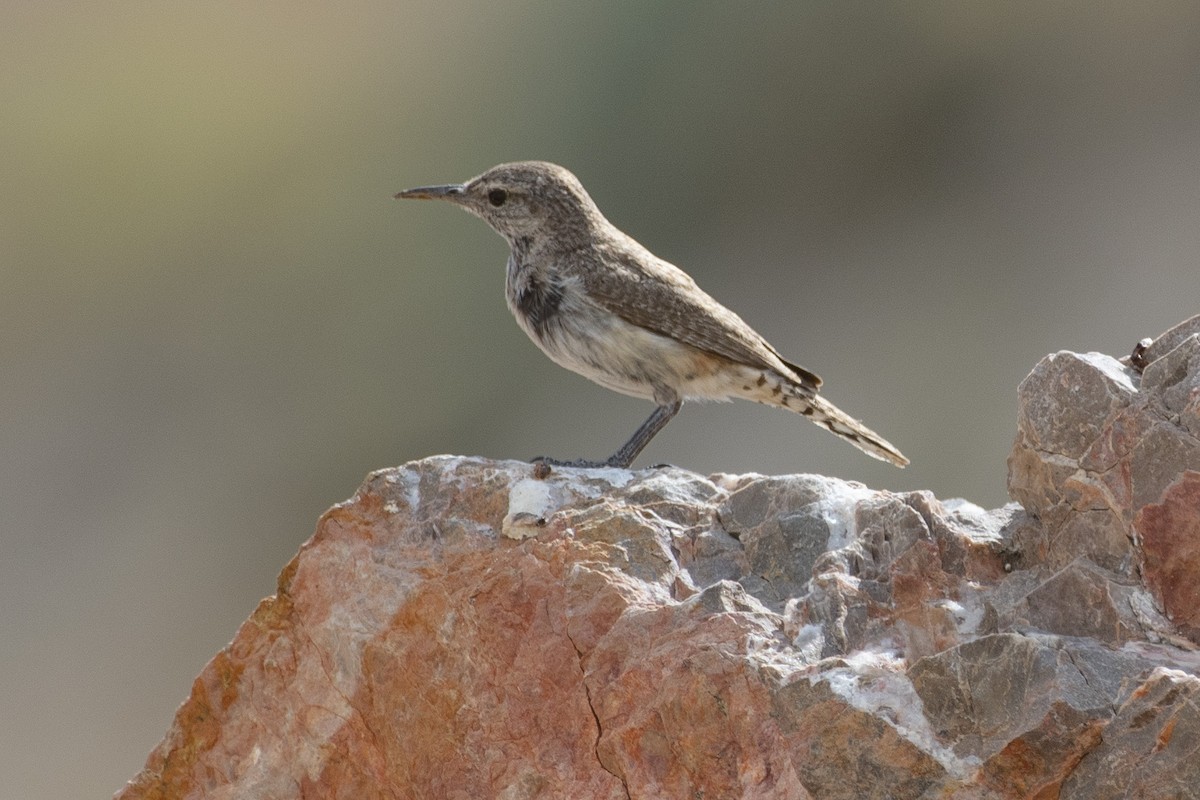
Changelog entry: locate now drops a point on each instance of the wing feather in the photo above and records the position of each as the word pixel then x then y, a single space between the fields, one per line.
pixel 653 294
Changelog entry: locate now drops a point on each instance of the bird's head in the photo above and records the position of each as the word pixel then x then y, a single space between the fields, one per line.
pixel 521 200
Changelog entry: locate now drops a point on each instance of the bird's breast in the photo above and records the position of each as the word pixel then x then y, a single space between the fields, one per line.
pixel 537 301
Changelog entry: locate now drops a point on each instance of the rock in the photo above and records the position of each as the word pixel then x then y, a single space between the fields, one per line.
pixel 1107 459
pixel 1140 754
pixel 1170 536
pixel 464 628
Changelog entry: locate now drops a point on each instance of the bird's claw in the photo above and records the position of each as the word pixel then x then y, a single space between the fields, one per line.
pixel 579 463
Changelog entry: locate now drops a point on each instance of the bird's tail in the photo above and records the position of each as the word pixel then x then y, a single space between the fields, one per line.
pixel 833 419
pixel 798 393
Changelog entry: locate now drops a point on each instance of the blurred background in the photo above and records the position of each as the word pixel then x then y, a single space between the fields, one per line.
pixel 214 320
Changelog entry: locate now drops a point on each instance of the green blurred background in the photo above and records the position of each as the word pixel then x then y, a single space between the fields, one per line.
pixel 214 320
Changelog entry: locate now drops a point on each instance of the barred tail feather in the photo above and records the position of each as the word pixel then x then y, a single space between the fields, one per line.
pixel 833 419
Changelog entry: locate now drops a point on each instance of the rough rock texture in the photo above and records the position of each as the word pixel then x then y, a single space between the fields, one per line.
pixel 1107 458
pixel 461 628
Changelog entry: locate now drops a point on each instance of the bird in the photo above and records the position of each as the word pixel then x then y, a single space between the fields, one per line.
pixel 600 304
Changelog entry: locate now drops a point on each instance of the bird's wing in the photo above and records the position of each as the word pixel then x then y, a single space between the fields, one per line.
pixel 651 293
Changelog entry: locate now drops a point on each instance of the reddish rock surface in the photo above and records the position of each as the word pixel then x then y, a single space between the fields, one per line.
pixel 461 628
pixel 1170 535
pixel 1107 460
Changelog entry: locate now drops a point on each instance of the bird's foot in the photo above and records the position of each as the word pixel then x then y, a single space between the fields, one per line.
pixel 579 463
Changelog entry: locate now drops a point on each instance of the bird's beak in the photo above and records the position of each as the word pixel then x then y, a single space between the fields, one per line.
pixel 451 191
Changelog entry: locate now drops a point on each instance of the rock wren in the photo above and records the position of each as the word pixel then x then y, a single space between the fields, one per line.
pixel 600 304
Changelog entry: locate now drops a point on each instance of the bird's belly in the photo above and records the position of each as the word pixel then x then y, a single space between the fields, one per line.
pixel 633 360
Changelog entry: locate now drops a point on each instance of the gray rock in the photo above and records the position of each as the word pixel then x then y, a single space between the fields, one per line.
pixel 1103 460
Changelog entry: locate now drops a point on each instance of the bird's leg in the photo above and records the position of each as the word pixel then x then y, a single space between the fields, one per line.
pixel 642 436
pixel 629 451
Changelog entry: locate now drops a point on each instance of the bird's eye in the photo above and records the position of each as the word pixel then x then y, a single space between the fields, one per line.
pixel 497 197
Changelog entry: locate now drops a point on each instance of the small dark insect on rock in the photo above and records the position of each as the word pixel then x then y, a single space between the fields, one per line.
pixel 1137 359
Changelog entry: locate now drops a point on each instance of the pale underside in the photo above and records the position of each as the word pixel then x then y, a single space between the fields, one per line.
pixel 634 361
